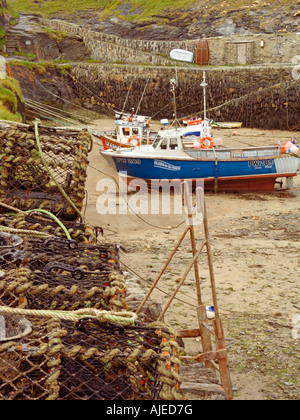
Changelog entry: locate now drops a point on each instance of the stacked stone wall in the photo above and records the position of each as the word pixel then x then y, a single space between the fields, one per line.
pixel 260 49
pixel 267 98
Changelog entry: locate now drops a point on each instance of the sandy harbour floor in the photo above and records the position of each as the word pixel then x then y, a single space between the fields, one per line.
pixel 255 241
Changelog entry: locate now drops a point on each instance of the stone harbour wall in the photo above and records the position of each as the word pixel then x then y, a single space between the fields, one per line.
pixel 110 48
pixel 254 49
pixel 260 97
pixel 234 49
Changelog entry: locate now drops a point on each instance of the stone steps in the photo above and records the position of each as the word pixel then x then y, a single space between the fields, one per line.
pixel 11 42
pixel 200 383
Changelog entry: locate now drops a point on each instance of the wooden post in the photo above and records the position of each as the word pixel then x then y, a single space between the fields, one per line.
pixel 201 310
pixel 218 327
pixel 162 271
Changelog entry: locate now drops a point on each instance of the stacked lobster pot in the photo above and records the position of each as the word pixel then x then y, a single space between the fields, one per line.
pixel 85 358
pixel 65 329
pixel 66 333
pixel 41 169
pixel 58 273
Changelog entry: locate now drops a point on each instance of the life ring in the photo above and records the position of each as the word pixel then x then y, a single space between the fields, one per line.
pixel 134 138
pixel 211 142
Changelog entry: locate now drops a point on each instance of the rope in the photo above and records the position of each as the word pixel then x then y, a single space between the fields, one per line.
pixel 59 111
pixel 59 97
pixel 24 232
pixel 50 114
pixel 55 218
pixel 35 210
pixel 10 207
pixel 124 318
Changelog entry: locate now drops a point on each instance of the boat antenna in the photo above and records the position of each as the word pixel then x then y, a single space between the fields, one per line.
pixel 204 84
pixel 142 96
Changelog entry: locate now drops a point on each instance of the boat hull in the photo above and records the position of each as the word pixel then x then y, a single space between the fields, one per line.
pixel 234 184
pixel 227 175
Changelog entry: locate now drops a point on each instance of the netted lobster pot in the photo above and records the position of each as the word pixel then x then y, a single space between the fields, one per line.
pixel 26 289
pixel 60 274
pixel 86 359
pixel 29 175
pixel 80 259
pixel 46 225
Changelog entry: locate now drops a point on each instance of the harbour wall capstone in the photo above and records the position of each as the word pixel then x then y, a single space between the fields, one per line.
pixel 259 97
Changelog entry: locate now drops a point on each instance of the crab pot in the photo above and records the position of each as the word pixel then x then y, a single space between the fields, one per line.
pixel 57 273
pixel 34 290
pixel 89 360
pixel 29 179
pixel 44 223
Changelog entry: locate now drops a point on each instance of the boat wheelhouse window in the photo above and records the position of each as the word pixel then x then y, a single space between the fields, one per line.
pixel 156 142
pixel 135 131
pixel 164 144
pixel 126 131
pixel 173 143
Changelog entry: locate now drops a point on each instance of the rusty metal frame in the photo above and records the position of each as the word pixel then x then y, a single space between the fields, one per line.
pixel 209 355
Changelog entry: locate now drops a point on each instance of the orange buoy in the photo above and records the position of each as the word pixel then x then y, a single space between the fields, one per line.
pixel 282 148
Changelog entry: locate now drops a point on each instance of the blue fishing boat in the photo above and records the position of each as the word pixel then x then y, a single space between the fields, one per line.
pixel 171 157
pixel 222 169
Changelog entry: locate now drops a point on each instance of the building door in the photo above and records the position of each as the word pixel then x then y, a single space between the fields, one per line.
pixel 242 53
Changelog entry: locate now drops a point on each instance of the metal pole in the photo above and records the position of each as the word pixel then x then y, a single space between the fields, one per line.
pixel 142 97
pixel 204 84
pixel 173 83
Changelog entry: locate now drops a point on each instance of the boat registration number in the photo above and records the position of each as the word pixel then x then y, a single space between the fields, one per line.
pixel 130 161
pixel 257 164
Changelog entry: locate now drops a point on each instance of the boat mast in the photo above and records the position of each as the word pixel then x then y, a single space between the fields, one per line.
pixel 205 123
pixel 204 84
pixel 174 84
pixel 142 97
pixel 127 96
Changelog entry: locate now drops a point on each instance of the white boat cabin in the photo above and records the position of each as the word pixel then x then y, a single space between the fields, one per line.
pixel 175 145
pixel 131 132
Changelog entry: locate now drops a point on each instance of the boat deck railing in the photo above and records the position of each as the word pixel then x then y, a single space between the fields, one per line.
pixel 238 153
